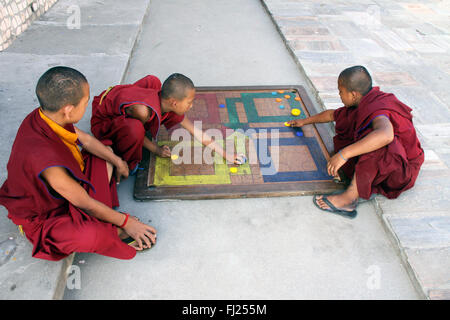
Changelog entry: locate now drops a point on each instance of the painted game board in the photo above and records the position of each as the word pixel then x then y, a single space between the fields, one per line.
pixel 280 160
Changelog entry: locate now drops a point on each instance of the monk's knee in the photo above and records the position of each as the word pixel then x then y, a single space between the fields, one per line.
pixel 68 237
pixel 134 131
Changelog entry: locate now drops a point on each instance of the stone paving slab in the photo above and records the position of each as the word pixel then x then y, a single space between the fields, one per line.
pixel 99 12
pixel 47 43
pixel 430 274
pixel 405 46
pixel 422 232
pixel 60 40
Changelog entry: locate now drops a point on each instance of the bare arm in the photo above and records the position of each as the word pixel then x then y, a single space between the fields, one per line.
pixel 59 179
pixel 201 136
pixel 95 147
pixel 206 140
pixel 66 186
pixel 163 151
pixel 382 135
pixel 142 113
pixel 139 111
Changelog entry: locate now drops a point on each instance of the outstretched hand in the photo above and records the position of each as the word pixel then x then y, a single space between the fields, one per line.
pixel 164 151
pixel 297 123
pixel 236 159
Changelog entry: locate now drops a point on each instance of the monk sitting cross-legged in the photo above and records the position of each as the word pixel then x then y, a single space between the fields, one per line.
pixel 376 143
pixel 62 198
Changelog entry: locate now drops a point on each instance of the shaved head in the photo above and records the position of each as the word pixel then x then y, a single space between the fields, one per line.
pixel 176 86
pixel 357 79
pixel 60 86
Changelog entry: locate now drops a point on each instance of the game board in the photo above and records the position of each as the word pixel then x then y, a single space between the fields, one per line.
pixel 281 160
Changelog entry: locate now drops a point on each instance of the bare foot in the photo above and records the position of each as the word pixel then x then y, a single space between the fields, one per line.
pixel 340 201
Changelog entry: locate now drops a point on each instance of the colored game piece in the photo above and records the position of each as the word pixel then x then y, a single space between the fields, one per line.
pixel 299 134
pixel 221 106
pixel 174 157
pixel 278 100
pixel 295 112
pixel 242 160
pixel 280 91
pixel 281 107
pixel 233 170
pixel 297 99
pixel 287 124
pixel 287 96
pixel 274 93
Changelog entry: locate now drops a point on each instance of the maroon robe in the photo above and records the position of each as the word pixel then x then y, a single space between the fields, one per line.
pixel 55 227
pixel 111 125
pixel 389 170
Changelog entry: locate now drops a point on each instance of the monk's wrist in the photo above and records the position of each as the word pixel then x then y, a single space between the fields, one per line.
pixel 345 155
pixel 117 161
pixel 124 223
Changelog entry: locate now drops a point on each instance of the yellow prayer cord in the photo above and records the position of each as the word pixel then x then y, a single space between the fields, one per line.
pixel 104 95
pixel 21 230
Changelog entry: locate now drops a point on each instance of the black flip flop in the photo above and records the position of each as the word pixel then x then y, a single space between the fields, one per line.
pixel 130 240
pixel 344 213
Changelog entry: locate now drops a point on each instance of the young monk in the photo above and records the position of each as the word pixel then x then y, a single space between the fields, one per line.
pixel 376 144
pixel 62 198
pixel 121 116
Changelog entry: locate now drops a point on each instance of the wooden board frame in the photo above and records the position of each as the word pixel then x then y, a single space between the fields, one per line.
pixel 144 192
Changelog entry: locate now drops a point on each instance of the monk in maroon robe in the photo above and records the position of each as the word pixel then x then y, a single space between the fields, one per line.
pixel 376 143
pixel 60 197
pixel 123 114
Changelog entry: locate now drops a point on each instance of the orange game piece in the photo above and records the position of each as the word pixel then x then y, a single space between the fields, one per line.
pixel 278 100
pixel 287 96
pixel 297 99
pixel 280 91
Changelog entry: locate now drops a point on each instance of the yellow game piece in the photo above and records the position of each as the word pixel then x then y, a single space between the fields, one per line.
pixel 278 99
pixel 287 124
pixel 280 91
pixel 233 170
pixel 174 157
pixel 297 98
pixel 287 96
pixel 295 112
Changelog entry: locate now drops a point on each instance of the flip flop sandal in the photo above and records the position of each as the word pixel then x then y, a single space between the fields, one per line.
pixel 129 241
pixel 344 213
pixel 338 180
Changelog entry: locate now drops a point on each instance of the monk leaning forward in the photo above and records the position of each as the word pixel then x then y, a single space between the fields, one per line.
pixel 123 115
pixel 376 143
